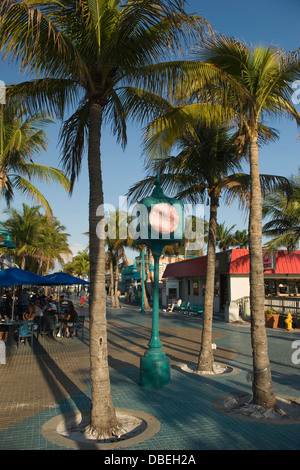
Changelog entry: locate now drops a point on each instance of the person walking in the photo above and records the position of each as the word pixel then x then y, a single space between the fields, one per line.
pixel 82 296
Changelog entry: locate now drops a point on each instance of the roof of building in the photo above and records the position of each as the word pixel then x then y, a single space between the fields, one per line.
pixel 236 261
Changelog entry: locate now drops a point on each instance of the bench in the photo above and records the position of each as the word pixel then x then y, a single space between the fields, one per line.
pixel 182 308
pixel 195 309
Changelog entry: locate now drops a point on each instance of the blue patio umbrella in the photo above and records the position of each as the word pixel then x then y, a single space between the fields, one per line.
pixel 63 279
pixel 19 277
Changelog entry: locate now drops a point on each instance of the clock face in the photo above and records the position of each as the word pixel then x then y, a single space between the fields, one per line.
pixel 164 218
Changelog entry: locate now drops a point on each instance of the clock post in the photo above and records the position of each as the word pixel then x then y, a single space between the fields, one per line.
pixel 164 221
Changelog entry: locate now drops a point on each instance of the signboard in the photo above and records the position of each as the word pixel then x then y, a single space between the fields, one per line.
pixel 269 260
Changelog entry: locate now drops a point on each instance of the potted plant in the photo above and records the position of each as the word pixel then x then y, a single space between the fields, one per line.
pixel 272 318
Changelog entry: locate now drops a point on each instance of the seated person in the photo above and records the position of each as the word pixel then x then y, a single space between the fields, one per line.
pixel 50 316
pixel 38 310
pixel 29 314
pixel 176 303
pixel 63 304
pixel 68 321
pixel 50 308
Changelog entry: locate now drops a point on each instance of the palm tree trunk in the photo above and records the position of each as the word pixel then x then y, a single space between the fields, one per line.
pixel 206 359
pixel 103 415
pixel 263 393
pixel 112 295
pixel 117 302
pixel 23 262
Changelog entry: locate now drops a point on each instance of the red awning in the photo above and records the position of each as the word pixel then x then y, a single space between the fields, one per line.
pixel 286 263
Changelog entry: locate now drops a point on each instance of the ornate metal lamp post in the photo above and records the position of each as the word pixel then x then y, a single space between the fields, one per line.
pixel 8 241
pixel 163 222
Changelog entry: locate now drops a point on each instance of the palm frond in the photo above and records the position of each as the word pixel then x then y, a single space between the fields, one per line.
pixel 28 188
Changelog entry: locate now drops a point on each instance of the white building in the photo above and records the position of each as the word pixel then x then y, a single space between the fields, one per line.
pixel 282 279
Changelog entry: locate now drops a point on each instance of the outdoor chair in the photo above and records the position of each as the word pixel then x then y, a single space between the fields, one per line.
pixel 184 307
pixel 195 309
pixel 50 325
pixel 79 325
pixel 24 332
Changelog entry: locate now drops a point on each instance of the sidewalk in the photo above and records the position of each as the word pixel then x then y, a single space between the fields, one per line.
pixel 53 378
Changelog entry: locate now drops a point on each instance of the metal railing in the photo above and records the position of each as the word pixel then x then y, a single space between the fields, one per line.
pixel 282 305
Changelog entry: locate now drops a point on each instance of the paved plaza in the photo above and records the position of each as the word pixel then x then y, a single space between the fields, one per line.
pixel 52 378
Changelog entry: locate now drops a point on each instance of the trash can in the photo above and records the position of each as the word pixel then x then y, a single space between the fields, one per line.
pixel 232 313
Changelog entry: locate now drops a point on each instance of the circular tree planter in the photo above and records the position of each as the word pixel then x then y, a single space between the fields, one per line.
pixel 240 405
pixel 67 430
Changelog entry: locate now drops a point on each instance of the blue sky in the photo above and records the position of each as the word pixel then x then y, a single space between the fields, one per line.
pixel 255 22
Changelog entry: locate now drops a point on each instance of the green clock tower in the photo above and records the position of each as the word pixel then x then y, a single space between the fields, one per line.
pixel 162 223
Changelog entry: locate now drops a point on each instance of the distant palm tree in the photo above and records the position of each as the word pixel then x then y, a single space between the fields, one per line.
pixel 25 226
pixel 225 237
pixel 22 138
pixel 39 241
pixel 81 263
pixel 52 244
pixel 241 239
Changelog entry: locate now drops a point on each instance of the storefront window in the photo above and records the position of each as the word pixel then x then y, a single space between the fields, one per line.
pixel 292 288
pixel 270 288
pixel 196 288
pixel 283 288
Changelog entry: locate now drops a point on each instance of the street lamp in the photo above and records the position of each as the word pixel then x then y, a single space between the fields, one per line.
pixel 163 223
pixel 8 243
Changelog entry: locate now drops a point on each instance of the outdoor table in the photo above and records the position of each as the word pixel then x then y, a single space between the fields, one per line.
pixel 12 325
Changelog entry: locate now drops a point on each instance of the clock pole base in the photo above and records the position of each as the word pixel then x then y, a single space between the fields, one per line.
pixel 154 372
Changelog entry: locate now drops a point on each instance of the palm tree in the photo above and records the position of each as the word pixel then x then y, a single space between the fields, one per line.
pixel 201 171
pixel 225 237
pixel 22 138
pixel 88 51
pixel 241 239
pixel 39 241
pixel 25 227
pixel 256 85
pixel 283 213
pixel 115 242
pixel 52 244
pixel 81 263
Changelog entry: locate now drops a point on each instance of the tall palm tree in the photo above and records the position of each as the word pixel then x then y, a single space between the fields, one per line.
pixel 200 171
pixel 22 137
pixel 283 226
pixel 88 51
pixel 256 86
